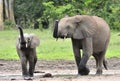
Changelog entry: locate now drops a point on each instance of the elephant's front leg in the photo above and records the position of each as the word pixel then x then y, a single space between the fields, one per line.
pixel 76 50
pixel 31 67
pixel 24 67
pixel 87 51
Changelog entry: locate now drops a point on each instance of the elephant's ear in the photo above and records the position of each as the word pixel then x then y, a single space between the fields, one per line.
pixel 34 41
pixel 85 27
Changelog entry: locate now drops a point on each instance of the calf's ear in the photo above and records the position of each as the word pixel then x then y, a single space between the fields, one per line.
pixel 34 41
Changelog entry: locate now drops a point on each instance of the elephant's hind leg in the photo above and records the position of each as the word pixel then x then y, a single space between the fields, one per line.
pixel 99 57
pixel 35 60
pixel 96 59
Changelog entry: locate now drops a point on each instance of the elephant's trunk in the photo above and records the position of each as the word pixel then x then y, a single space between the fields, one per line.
pixel 55 33
pixel 21 34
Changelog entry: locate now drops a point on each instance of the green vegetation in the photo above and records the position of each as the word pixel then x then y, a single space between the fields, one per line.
pixel 114 46
pixel 49 48
pixel 27 12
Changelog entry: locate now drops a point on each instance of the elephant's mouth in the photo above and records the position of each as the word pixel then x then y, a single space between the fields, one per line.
pixel 67 35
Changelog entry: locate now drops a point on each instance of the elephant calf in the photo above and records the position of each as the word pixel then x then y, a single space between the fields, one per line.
pixel 26 49
pixel 91 34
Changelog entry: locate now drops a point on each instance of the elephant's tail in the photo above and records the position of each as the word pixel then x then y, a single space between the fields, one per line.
pixel 105 64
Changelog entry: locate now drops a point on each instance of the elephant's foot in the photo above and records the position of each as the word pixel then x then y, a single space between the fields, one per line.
pixel 28 78
pixel 83 71
pixel 99 72
pixel 30 75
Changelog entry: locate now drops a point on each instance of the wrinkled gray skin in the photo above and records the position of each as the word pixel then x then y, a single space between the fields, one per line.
pixel 90 34
pixel 26 49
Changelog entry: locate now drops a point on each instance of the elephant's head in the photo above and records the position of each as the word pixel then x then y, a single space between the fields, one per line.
pixel 77 27
pixel 27 40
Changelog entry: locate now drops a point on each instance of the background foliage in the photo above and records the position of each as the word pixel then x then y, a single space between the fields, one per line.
pixel 29 11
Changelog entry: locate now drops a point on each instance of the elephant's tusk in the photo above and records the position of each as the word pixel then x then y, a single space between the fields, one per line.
pixel 26 45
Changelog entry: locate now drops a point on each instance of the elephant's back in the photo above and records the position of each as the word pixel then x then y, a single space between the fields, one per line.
pixel 101 23
pixel 102 27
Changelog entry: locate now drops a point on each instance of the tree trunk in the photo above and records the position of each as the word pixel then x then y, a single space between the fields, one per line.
pixel 11 11
pixel 1 14
pixel 6 9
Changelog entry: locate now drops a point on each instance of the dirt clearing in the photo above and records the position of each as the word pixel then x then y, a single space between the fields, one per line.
pixel 60 70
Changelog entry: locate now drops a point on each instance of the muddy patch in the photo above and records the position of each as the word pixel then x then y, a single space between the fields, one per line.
pixel 58 70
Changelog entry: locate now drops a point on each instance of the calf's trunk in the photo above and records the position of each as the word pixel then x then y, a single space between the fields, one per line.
pixel 21 34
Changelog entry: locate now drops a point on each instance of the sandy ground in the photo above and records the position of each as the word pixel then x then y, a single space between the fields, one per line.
pixel 61 70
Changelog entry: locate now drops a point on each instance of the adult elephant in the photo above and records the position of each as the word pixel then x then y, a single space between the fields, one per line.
pixel 90 34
